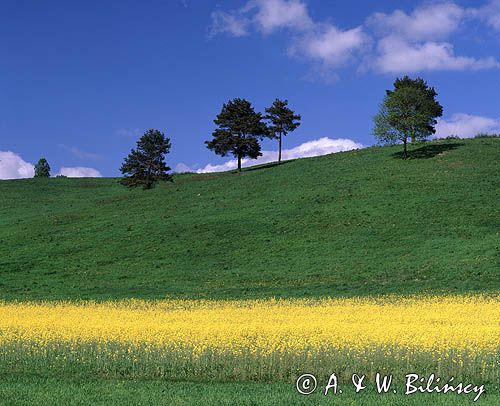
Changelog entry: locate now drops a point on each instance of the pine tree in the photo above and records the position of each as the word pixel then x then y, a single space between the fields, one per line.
pixel 282 121
pixel 145 165
pixel 42 169
pixel 239 130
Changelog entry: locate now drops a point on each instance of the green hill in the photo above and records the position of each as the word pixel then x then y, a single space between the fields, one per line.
pixel 354 223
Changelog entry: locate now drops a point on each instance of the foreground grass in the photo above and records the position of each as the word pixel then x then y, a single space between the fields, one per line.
pixel 115 361
pixel 356 223
pixel 37 390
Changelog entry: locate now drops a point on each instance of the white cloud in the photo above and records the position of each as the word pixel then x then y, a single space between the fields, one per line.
pixel 321 146
pixel 233 23
pixel 12 166
pixel 396 55
pixel 430 22
pixel 276 14
pixel 466 126
pixel 414 42
pixel 489 13
pixel 80 172
pixel 407 42
pixel 182 168
pixel 330 45
pixel 317 41
pixel 265 15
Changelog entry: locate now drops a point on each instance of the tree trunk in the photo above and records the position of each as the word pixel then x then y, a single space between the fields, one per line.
pixel 279 153
pixel 239 163
pixel 406 151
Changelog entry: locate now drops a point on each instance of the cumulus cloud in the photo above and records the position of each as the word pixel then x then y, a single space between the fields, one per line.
pixel 466 126
pixel 321 146
pixel 330 45
pixel 430 22
pixel 183 168
pixel 406 42
pixel 276 14
pixel 396 55
pixel 12 166
pixel 80 172
pixel 414 42
pixel 489 13
pixel 265 15
pixel 317 41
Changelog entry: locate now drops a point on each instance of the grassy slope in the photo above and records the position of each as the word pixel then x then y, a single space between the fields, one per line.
pixel 354 223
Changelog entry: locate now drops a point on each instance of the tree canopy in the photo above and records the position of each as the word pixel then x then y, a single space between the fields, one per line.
pixel 145 165
pixel 408 112
pixel 239 129
pixel 42 169
pixel 282 121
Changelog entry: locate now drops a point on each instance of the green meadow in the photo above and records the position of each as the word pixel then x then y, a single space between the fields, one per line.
pixel 358 223
pixel 362 222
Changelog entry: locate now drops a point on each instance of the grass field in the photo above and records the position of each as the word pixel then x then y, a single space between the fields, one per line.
pixel 223 288
pixel 37 390
pixel 355 223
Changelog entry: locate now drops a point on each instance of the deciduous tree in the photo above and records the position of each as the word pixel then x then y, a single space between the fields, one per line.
pixel 408 112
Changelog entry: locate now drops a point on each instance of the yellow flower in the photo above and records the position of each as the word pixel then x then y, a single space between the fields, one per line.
pixel 438 324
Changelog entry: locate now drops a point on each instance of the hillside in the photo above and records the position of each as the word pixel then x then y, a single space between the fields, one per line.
pixel 354 223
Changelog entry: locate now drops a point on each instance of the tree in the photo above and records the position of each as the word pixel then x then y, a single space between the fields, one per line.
pixel 145 165
pixel 42 169
pixel 240 129
pixel 408 112
pixel 282 120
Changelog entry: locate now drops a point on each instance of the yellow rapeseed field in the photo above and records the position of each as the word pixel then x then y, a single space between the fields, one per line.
pixel 469 323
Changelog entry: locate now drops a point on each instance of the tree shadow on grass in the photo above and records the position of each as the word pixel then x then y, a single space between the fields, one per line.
pixel 429 151
pixel 266 166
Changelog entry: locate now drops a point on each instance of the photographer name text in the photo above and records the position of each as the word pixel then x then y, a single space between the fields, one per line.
pixel 306 384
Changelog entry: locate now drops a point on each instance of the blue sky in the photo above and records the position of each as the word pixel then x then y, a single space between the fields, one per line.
pixel 81 80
